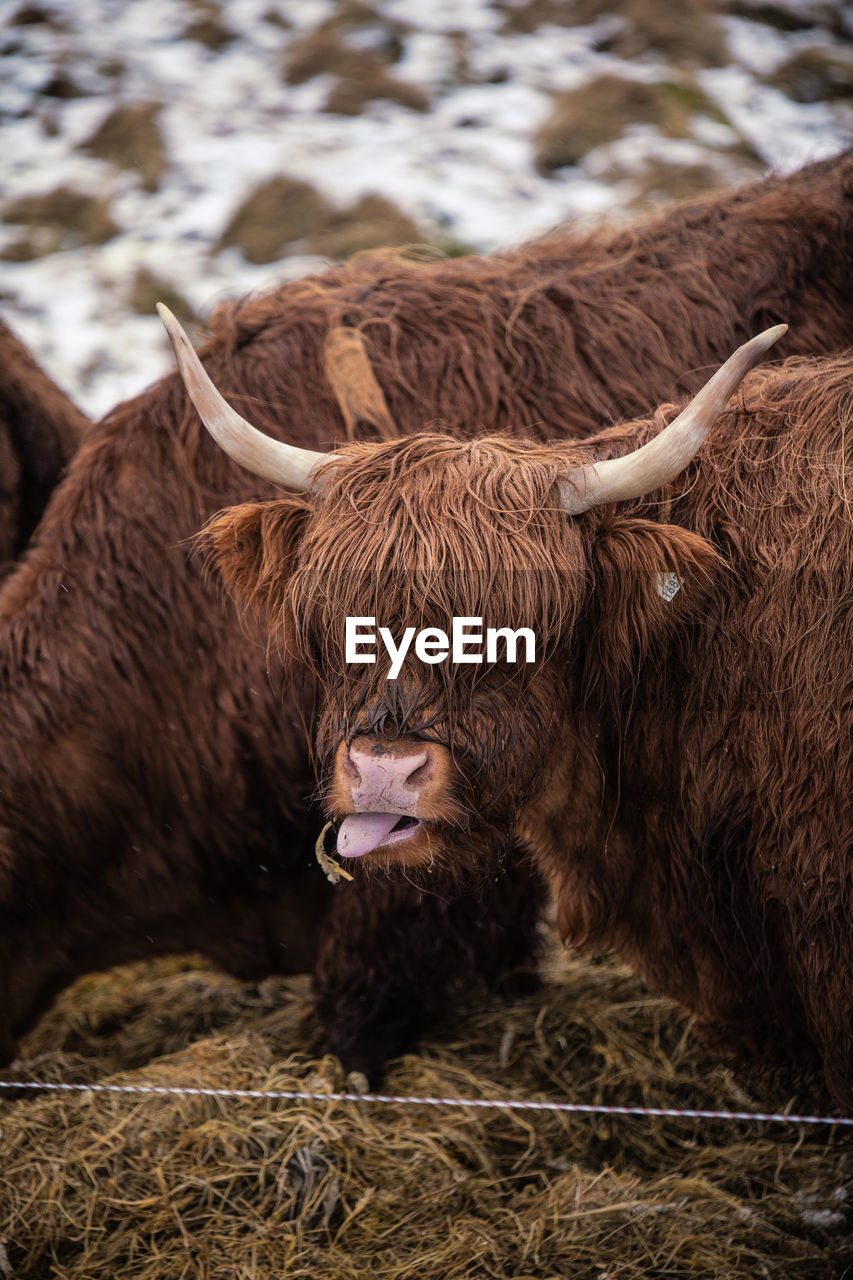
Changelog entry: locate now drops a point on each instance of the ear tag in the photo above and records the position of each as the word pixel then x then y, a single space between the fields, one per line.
pixel 668 585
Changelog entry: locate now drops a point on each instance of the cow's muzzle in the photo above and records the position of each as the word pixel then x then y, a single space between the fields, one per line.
pixel 386 791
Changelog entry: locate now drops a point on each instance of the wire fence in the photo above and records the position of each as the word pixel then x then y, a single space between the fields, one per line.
pixel 502 1104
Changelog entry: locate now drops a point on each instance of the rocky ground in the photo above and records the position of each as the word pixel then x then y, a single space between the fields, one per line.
pixel 187 150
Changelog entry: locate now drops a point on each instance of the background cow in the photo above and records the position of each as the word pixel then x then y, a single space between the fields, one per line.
pixel 153 774
pixel 40 428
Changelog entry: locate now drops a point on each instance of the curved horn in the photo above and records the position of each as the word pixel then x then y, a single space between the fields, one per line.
pixel 661 460
pixel 271 459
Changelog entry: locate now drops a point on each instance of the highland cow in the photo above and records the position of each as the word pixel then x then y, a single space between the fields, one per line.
pixel 679 760
pixel 154 769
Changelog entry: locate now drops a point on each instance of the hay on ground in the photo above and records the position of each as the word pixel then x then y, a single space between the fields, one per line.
pixel 154 1188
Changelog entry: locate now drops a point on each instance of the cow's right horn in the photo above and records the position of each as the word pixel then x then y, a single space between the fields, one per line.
pixel 664 457
pixel 273 460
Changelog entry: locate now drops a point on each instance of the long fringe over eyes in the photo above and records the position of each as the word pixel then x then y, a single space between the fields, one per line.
pixel 413 535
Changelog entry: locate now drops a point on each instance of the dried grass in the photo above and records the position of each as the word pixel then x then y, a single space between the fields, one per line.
pixel 158 1188
pixel 131 138
pixel 284 213
pixel 601 110
pixel 61 219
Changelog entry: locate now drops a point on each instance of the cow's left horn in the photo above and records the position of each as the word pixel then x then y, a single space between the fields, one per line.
pixel 271 459
pixel 661 460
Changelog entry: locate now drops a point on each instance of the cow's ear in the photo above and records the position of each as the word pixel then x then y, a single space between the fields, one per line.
pixel 646 578
pixel 253 547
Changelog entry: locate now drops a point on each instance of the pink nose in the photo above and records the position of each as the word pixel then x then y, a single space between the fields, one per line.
pixel 385 779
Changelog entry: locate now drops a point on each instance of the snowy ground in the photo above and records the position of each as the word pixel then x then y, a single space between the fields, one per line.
pixel 465 168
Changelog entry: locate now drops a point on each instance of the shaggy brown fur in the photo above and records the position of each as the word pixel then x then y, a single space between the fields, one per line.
pixel 39 431
pixel 682 770
pixel 359 395
pixel 576 330
pixel 704 826
pixel 153 776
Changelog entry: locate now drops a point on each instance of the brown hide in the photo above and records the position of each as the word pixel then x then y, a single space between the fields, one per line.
pixel 40 429
pixel 154 773
pixel 699 819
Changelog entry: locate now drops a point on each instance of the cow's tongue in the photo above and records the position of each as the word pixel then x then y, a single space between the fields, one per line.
pixel 361 832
